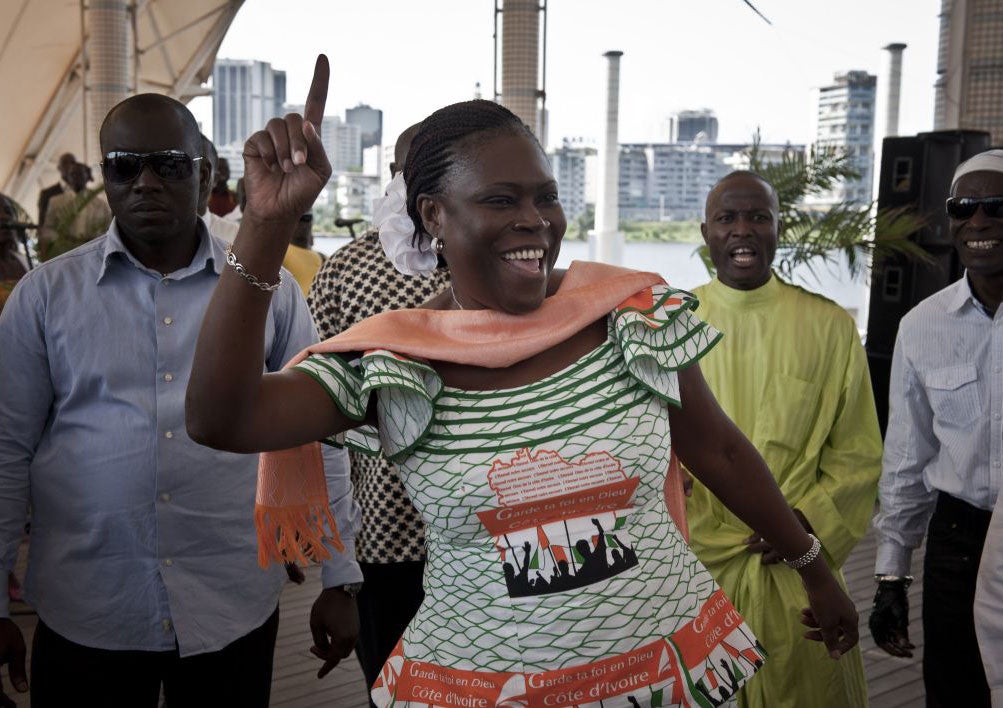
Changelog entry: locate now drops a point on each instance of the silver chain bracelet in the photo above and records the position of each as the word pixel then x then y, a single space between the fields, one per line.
pixel 231 260
pixel 809 555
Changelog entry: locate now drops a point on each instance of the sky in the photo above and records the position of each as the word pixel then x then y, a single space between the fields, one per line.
pixel 408 58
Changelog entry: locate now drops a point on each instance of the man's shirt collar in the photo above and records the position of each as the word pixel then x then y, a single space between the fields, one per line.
pixel 963 295
pixel 209 255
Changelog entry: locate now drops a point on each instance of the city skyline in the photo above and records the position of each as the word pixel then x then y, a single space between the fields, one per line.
pixel 718 55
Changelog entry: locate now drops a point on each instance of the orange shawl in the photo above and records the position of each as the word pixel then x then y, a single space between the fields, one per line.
pixel 292 507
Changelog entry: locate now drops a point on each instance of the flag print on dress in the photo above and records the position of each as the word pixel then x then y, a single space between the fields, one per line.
pixel 581 504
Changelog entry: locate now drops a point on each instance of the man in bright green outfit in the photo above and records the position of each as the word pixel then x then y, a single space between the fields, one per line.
pixel 792 374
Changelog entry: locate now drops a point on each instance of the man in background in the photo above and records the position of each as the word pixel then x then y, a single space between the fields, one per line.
pixel 222 200
pixel 792 374
pixel 73 217
pixel 224 228
pixel 65 160
pixel 941 473
pixel 301 260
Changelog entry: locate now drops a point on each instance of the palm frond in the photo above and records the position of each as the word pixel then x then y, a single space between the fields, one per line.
pixel 64 222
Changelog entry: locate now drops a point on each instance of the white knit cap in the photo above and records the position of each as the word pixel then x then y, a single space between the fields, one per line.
pixel 988 161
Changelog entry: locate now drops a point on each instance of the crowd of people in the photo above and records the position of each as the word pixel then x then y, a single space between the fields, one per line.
pixel 164 393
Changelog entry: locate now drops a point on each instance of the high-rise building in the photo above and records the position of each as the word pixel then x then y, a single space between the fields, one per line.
pixel 569 163
pixel 691 126
pixel 664 181
pixel 387 155
pixel 343 144
pixel 970 67
pixel 246 94
pixel 846 111
pixel 370 122
pixel 355 194
pixel 671 181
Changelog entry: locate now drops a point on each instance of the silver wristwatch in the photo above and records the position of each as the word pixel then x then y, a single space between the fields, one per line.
pixel 907 579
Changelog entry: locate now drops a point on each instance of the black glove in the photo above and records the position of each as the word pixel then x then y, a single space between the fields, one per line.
pixel 889 621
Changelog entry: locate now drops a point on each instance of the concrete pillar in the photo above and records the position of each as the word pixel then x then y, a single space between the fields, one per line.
pixel 893 78
pixel 606 240
pixel 521 60
pixel 109 65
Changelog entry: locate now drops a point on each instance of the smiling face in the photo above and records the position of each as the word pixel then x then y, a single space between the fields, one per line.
pixel 150 209
pixel 741 230
pixel 501 221
pixel 979 239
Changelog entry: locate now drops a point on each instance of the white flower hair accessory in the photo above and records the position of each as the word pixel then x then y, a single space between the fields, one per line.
pixel 397 231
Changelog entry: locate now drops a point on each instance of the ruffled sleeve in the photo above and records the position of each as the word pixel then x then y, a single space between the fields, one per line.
pixel 658 335
pixel 406 393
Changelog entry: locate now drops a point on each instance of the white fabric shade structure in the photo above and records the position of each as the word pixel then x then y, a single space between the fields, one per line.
pixel 172 46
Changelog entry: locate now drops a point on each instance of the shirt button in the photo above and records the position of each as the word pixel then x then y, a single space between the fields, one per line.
pixel 996 416
pixel 166 624
pixel 168 321
pixel 996 464
pixel 168 562
pixel 165 497
pixel 168 435
pixel 168 377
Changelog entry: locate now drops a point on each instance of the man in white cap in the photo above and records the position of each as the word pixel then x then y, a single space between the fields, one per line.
pixel 941 471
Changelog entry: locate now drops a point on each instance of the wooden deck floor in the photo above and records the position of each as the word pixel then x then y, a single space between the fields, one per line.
pixel 892 683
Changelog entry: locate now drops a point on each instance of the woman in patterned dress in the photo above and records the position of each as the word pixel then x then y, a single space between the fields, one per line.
pixel 529 411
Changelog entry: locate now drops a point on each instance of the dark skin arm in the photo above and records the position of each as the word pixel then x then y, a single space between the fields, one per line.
pixel 229 404
pixel 334 624
pixel 771 555
pixel 724 460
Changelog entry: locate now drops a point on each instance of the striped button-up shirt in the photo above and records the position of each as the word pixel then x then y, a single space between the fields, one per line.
pixel 945 432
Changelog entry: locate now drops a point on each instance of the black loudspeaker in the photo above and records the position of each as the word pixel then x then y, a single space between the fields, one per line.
pixel 916 172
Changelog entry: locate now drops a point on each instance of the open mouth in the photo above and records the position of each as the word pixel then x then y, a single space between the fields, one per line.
pixel 744 256
pixel 148 208
pixel 986 245
pixel 529 260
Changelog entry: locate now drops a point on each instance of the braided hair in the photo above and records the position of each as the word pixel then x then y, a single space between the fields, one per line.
pixel 442 136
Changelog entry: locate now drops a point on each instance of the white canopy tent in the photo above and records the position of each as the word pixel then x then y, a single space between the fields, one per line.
pixel 47 81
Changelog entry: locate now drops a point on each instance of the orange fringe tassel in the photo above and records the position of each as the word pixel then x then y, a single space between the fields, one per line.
pixel 295 533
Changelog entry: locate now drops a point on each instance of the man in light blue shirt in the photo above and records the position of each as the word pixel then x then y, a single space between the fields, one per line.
pixel 143 561
pixel 943 459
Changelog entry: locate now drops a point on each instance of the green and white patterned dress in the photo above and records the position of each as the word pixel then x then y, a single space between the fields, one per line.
pixel 555 574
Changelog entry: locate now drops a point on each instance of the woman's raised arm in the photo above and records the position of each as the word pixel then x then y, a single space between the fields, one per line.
pixel 230 405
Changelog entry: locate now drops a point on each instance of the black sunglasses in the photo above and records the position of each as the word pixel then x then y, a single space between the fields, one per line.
pixel 173 165
pixel 962 208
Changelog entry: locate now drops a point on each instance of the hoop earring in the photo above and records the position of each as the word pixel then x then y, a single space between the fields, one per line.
pixel 437 245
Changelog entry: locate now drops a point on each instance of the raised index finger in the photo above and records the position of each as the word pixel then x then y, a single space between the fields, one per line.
pixel 316 97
